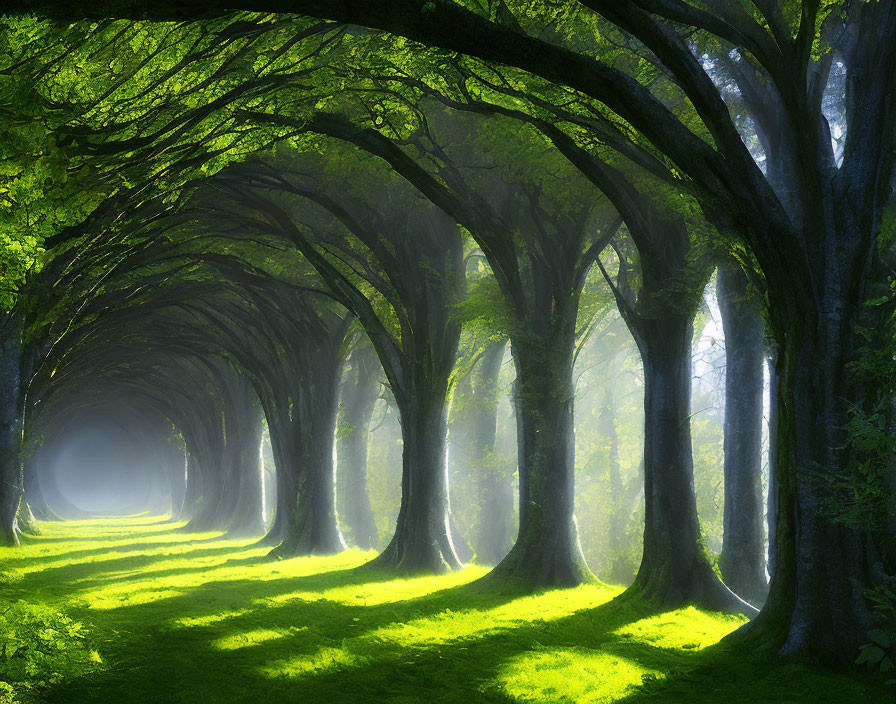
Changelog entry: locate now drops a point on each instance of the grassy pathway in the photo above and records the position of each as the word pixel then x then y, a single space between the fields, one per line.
pixel 194 619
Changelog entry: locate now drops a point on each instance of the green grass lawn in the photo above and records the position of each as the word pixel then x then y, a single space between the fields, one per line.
pixel 193 618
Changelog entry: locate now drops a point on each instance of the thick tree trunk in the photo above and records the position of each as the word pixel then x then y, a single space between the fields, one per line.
pixel 313 529
pixel 206 476
pixel 494 537
pixel 825 561
pixel 11 429
pixel 742 560
pixel 772 506
pixel 34 493
pixel 286 461
pixel 547 551
pixel 675 569
pixel 25 520
pixel 359 393
pixel 210 485
pixel 178 481
pixel 422 541
pixel 817 602
pixel 244 450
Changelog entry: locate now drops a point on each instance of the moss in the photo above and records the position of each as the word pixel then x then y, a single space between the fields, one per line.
pixel 182 617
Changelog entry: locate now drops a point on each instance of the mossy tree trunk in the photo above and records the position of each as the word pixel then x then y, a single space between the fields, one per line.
pixel 546 551
pixel 422 538
pixel 360 389
pixel 675 568
pixel 11 429
pixel 742 560
pixel 312 527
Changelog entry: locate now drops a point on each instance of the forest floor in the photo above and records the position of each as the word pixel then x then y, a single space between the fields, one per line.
pixel 193 618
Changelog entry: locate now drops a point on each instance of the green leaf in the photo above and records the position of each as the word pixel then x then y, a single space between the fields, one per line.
pixel 878 637
pixel 871 654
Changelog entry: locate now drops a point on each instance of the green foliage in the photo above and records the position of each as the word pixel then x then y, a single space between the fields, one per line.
pixel 880 652
pixel 41 647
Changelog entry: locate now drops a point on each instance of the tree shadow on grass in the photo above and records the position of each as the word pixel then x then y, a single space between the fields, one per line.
pixel 62 579
pixel 411 651
pixel 129 547
pixel 351 634
pixel 291 646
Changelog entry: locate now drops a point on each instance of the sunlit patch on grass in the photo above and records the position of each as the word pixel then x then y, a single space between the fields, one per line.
pixel 255 637
pixel 167 609
pixel 566 675
pixel 450 625
pixel 104 602
pixel 324 660
pixel 376 592
pixel 209 620
pixel 683 629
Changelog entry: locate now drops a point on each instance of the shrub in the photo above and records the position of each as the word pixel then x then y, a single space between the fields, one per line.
pixel 40 646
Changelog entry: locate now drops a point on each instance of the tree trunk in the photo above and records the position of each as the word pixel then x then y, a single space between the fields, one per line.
pixel 675 569
pixel 25 520
pixel 11 431
pixel 34 493
pixel 494 537
pixel 286 462
pixel 210 485
pixel 823 565
pixel 178 481
pixel 547 551
pixel 313 529
pixel 422 542
pixel 742 560
pixel 244 450
pixel 359 393
pixel 772 509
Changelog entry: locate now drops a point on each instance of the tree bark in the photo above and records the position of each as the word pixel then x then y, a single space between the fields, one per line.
pixel 313 529
pixel 243 448
pixel 825 565
pixel 494 537
pixel 286 462
pixel 178 481
pixel 34 493
pixel 772 501
pixel 11 430
pixel 359 393
pixel 422 540
pixel 675 569
pixel 547 551
pixel 742 560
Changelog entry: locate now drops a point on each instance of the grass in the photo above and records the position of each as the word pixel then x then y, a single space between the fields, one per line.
pixel 192 618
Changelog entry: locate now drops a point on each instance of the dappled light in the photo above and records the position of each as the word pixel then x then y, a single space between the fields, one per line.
pixel 447 351
pixel 309 627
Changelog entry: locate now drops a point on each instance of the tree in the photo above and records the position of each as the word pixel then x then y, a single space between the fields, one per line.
pixel 407 258
pixel 742 560
pixel 360 389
